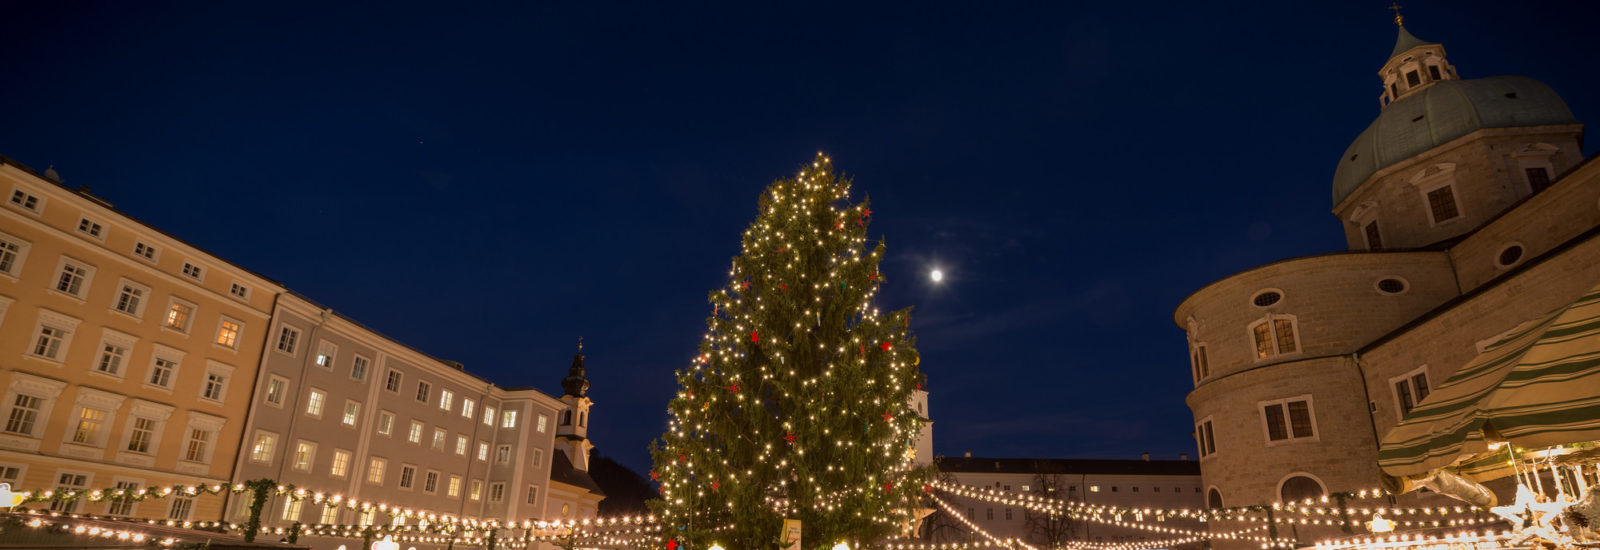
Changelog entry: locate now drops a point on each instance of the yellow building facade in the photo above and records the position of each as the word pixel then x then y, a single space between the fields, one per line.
pixel 127 355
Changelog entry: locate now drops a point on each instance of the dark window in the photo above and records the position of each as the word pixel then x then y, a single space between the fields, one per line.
pixel 1288 420
pixel 1420 382
pixel 1538 178
pixel 1135 489
pixel 1402 390
pixel 1267 298
pixel 1392 286
pixel 1300 488
pixel 1276 430
pixel 1412 79
pixel 1510 255
pixel 1442 202
pixel 1214 499
pixel 1394 91
pixel 1433 71
pixel 1374 238
pixel 1202 368
pixel 1113 488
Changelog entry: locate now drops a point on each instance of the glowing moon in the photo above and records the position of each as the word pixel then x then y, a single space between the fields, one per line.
pixel 937 275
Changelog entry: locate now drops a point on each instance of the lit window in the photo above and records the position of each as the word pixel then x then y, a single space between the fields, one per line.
pixel 467 407
pixel 543 422
pixel 488 416
pixel 447 399
pixel 352 409
pixel 276 388
pixel 1289 419
pixel 453 490
pixel 199 443
pixel 415 435
pixel 509 419
pixel 385 423
pixel 178 316
pixel 1274 335
pixel 291 510
pixel 315 401
pixel 330 515
pixel 375 471
pixel 228 334
pixel 461 445
pixel 438 439
pixel 305 453
pixel 261 450
pixel 141 435
pixel 477 490
pixel 325 353
pixel 341 464
pixel 483 451
pixel 193 271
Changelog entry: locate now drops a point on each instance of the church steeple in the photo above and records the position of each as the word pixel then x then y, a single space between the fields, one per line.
pixel 576 383
pixel 1414 65
pixel 572 428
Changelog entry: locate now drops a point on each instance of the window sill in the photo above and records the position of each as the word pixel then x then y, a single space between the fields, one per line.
pixel 210 401
pixel 73 297
pixel 163 389
pixel 225 348
pixel 175 330
pixel 103 374
pixel 136 317
pixel 42 359
pixel 1292 441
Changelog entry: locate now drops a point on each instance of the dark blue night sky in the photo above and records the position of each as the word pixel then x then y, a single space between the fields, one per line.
pixel 488 183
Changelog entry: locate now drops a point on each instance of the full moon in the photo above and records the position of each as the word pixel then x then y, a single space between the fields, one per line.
pixel 936 275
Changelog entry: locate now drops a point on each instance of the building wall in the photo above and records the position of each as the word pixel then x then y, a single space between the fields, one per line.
pixel 495 459
pixel 1122 490
pixel 45 238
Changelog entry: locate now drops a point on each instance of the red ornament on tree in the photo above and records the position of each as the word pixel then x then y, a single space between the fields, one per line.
pixel 783 287
pixel 790 438
pixel 886 346
pixel 745 285
pixel 715 485
pixel 682 457
pixel 672 544
pixel 866 213
pixel 863 349
pixel 755 336
pixel 733 389
pixel 654 475
pixel 887 487
pixel 887 417
pixel 872 277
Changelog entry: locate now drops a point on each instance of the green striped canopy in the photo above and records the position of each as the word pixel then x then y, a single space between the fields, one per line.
pixel 1537 386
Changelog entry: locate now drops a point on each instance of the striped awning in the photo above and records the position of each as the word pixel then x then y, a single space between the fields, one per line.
pixel 1537 386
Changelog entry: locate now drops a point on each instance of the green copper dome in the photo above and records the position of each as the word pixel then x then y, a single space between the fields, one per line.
pixel 1444 111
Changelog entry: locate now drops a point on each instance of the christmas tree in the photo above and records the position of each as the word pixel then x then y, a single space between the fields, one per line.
pixel 797 405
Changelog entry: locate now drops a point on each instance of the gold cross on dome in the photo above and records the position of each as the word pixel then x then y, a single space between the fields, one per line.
pixel 1398 19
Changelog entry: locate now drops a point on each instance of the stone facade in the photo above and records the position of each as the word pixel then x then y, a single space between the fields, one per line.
pixel 1429 276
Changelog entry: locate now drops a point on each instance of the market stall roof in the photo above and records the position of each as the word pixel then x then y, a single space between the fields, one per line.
pixel 1535 386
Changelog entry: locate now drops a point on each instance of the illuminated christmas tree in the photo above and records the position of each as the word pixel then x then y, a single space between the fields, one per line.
pixel 797 405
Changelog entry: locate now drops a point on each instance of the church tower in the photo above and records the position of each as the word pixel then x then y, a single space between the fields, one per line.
pixel 572 430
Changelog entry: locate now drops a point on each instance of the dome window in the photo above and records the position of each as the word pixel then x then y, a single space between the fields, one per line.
pixel 1300 487
pixel 1392 285
pixel 1412 78
pixel 1266 298
pixel 1433 71
pixel 1508 256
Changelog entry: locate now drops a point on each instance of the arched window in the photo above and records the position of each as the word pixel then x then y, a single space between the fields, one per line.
pixel 1275 335
pixel 1300 487
pixel 566 418
pixel 1198 361
pixel 1214 498
pixel 583 417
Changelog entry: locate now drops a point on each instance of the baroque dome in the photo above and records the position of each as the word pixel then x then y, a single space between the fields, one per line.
pixel 1444 111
